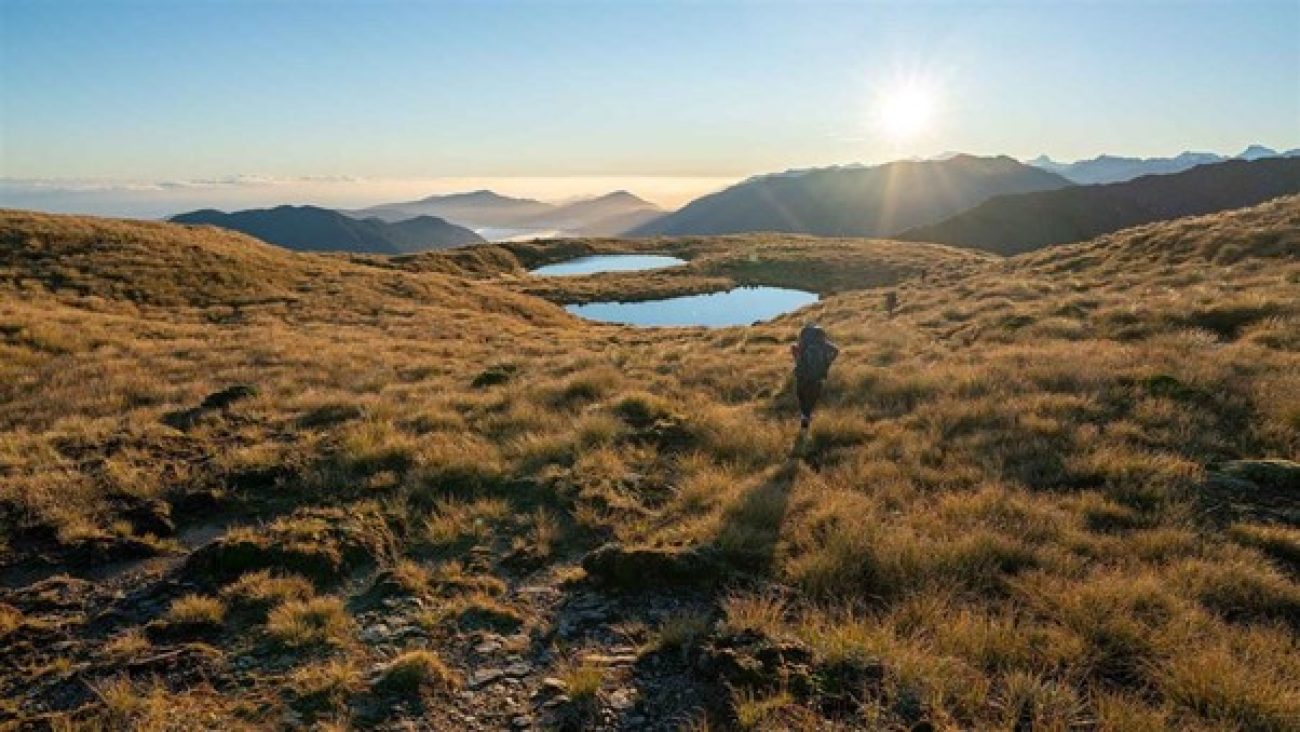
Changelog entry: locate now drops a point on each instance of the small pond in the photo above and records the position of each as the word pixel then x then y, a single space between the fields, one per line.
pixel 607 263
pixel 741 306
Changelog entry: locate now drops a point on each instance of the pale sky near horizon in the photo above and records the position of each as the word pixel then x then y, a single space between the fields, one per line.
pixel 148 90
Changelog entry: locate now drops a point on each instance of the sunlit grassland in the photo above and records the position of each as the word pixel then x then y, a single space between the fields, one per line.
pixel 1001 502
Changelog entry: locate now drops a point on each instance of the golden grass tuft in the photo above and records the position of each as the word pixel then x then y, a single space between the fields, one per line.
pixel 257 592
pixel 416 670
pixel 196 611
pixel 319 621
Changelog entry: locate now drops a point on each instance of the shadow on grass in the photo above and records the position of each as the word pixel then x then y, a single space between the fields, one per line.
pixel 751 527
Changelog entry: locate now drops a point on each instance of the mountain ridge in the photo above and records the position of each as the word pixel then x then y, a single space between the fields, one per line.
pixel 606 214
pixel 853 200
pixel 1015 224
pixel 1106 168
pixel 312 228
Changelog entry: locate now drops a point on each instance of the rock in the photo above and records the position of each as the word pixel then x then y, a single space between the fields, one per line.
pixel 552 685
pixel 518 669
pixel 622 699
pixel 374 633
pixel 487 647
pixel 484 677
pixel 601 659
pixel 644 568
pixel 1271 473
pixel 521 722
pixel 408 631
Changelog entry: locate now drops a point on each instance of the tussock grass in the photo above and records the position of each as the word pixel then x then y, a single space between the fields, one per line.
pixel 255 593
pixel 319 621
pixel 196 611
pixel 682 631
pixel 415 670
pixel 582 681
pixel 11 618
pixel 329 683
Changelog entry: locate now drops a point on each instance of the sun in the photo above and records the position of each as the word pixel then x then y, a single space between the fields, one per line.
pixel 905 111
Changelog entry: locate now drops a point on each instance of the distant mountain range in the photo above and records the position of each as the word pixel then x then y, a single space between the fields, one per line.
pixel 1014 224
pixel 606 215
pixel 992 203
pixel 854 200
pixel 1115 169
pixel 310 228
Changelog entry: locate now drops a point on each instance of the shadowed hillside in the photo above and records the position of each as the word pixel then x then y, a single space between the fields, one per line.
pixel 313 229
pixel 854 201
pixel 1026 222
pixel 477 208
pixel 607 215
pixel 1055 491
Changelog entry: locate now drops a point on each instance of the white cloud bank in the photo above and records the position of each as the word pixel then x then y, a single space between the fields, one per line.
pixel 160 199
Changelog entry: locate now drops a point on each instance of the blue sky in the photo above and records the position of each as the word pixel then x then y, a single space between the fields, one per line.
pixel 153 90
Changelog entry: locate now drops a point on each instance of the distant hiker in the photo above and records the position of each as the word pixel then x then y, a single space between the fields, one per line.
pixel 813 355
pixel 891 302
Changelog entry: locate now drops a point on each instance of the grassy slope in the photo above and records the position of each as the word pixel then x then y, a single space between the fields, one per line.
pixel 1000 516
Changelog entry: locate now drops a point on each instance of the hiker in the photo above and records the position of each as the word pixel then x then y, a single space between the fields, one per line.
pixel 813 354
pixel 891 302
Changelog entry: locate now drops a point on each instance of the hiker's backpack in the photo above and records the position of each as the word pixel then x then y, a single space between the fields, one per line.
pixel 814 360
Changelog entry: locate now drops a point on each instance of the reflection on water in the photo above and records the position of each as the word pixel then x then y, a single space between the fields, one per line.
pixel 741 306
pixel 607 263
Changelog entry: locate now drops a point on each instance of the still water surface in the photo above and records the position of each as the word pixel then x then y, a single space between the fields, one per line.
pixel 741 306
pixel 607 263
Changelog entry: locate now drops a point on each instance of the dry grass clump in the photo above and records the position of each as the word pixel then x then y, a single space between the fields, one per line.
pixel 753 711
pixel 582 681
pixel 127 644
pixel 319 621
pixel 1237 685
pixel 255 593
pixel 196 612
pixel 415 670
pixel 766 613
pixel 683 631
pixel 1242 590
pixel 454 523
pixel 476 611
pixel 329 683
pixel 11 618
pixel 151 707
pixel 1280 542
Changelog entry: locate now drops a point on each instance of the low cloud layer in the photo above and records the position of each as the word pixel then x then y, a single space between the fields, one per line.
pixel 160 199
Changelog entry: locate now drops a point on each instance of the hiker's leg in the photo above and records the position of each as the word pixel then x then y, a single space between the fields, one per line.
pixel 814 395
pixel 807 390
pixel 801 394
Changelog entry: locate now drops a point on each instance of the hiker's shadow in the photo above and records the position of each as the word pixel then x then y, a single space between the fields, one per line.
pixel 750 529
